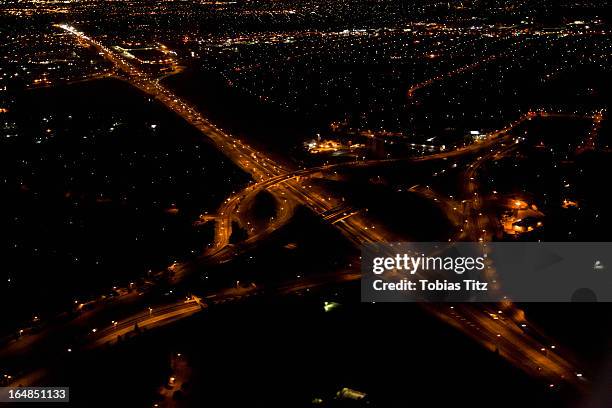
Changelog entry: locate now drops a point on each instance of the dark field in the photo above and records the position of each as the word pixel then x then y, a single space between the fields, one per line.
pixel 107 195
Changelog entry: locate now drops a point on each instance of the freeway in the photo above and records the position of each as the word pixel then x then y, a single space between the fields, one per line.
pixel 244 156
pixel 233 207
pixel 506 336
pixel 147 319
pixel 51 346
pixel 475 319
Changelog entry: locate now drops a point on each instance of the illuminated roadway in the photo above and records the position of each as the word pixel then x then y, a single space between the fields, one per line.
pixel 357 229
pixel 505 335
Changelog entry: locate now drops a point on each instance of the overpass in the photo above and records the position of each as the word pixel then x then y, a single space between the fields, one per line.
pixel 475 320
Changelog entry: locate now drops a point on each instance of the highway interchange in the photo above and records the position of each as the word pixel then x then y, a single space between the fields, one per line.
pixel 502 328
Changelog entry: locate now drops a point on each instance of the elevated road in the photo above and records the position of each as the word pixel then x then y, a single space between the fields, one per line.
pixel 475 319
